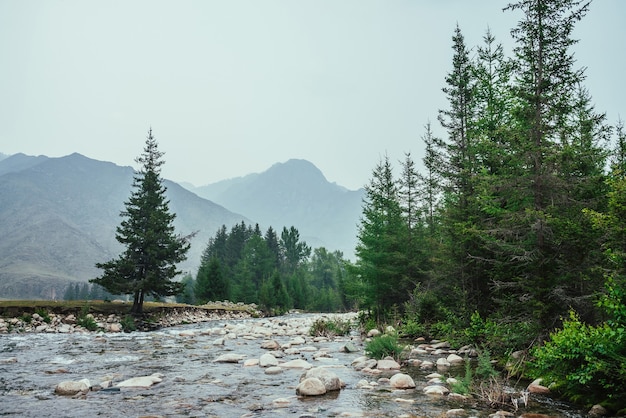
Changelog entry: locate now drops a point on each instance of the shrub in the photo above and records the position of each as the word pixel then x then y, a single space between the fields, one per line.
pixel 587 364
pixel 86 320
pixel 463 386
pixel 128 323
pixel 325 327
pixel 412 329
pixel 44 315
pixel 384 345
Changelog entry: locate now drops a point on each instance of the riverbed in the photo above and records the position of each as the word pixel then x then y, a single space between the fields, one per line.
pixel 193 384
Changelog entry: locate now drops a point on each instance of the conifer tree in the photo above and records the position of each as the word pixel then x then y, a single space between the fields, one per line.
pixel 147 266
pixel 380 249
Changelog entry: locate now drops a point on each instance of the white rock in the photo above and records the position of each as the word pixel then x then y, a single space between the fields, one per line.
pixel 373 333
pixel 436 390
pixel 72 387
pixel 251 362
pixel 281 402
pixel 296 364
pixel 401 381
pixel 273 370
pixel 455 359
pixel 270 345
pixel 442 362
pixel 456 413
pixel 311 387
pixel 268 360
pixel 114 327
pixel 330 380
pixel 229 358
pixel 387 364
pixel 297 341
pixel 142 381
pixel 402 400
pixel 537 388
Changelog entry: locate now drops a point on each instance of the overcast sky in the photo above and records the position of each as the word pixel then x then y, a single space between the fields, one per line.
pixel 231 87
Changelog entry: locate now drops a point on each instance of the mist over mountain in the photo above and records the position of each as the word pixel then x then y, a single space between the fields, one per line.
pixel 59 217
pixel 294 193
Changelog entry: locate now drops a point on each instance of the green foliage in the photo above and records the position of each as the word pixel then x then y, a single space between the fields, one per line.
pixel 384 345
pixel 188 294
pixel 330 327
pixel 585 363
pixel 412 329
pixel 273 296
pixel 244 265
pixel 128 323
pixel 485 369
pixel 463 386
pixel 87 321
pixel 26 318
pixel 45 316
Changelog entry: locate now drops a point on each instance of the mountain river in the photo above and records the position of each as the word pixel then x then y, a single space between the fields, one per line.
pixel 195 385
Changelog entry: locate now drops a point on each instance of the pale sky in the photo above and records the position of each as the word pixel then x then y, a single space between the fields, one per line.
pixel 231 87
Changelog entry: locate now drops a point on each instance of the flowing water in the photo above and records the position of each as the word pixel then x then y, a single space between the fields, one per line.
pixel 31 365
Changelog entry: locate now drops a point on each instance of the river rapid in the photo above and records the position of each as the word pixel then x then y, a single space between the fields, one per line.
pixel 195 385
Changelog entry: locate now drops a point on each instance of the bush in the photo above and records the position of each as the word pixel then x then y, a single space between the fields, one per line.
pixel 587 364
pixel 128 323
pixel 463 386
pixel 325 327
pixel 384 345
pixel 412 329
pixel 86 320
pixel 44 315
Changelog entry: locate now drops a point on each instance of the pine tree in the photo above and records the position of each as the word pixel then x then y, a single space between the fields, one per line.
pixel 211 283
pixel 148 264
pixel 536 214
pixel 381 258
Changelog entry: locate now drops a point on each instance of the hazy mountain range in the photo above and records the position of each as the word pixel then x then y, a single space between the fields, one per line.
pixel 59 215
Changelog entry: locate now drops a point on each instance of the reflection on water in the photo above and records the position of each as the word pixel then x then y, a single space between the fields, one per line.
pixel 194 385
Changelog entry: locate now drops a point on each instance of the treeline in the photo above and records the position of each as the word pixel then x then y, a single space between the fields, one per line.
pixel 276 272
pixel 517 218
pixel 86 291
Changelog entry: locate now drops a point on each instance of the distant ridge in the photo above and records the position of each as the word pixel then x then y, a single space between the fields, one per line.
pixel 59 217
pixel 294 193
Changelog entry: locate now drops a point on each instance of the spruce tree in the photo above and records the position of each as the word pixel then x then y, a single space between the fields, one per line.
pixel 147 266
pixel 380 251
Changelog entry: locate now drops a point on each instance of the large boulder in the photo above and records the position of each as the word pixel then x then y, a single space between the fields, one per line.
pixel 72 387
pixel 401 381
pixel 330 380
pixel 311 387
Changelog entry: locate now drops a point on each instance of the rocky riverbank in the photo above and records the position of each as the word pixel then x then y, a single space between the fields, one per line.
pixel 49 321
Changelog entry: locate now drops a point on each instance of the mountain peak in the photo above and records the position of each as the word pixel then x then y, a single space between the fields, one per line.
pixel 302 173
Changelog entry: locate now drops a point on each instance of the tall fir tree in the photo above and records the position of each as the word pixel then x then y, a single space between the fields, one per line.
pixel 381 256
pixel 148 264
